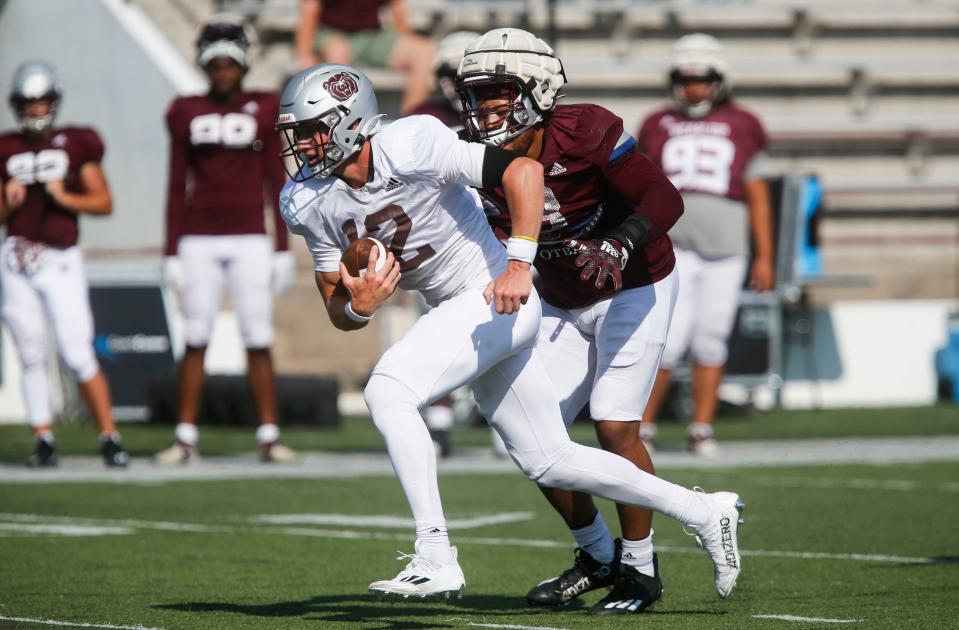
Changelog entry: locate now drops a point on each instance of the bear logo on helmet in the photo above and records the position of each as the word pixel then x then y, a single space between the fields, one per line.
pixel 341 86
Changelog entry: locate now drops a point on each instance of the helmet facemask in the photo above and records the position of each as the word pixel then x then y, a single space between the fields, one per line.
pixel 34 124
pixel 717 87
pixel 513 113
pixel 326 157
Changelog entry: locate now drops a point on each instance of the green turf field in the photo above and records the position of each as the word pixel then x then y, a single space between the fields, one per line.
pixel 873 545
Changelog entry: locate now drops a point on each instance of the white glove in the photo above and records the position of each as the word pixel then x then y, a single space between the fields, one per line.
pixel 284 269
pixel 173 272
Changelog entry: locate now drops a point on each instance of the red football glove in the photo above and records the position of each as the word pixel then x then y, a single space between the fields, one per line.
pixel 606 257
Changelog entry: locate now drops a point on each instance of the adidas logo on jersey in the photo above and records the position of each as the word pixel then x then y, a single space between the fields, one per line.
pixel 557 169
pixel 393 184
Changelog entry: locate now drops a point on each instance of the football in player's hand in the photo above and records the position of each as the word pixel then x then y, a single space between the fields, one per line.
pixel 356 258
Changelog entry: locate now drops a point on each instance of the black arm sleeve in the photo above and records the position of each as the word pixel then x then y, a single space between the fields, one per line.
pixel 495 161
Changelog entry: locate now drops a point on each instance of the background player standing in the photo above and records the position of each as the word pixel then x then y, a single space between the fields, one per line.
pixel 713 151
pixel 222 154
pixel 51 175
pixel 606 276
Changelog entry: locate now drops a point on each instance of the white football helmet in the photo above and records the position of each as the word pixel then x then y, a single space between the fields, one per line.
pixel 446 61
pixel 34 81
pixel 332 98
pixel 698 57
pixel 510 64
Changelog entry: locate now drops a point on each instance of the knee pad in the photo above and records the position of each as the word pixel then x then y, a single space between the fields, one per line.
pixel 80 360
pixel 384 392
pixel 710 347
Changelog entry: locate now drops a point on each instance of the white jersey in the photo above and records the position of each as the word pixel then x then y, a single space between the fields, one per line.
pixel 417 204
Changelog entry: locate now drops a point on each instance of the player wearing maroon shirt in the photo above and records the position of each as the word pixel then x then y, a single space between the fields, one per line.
pixel 714 153
pixel 222 151
pixel 51 175
pixel 349 31
pixel 606 277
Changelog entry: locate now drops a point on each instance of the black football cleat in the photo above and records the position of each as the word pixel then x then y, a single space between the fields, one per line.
pixel 632 592
pixel 45 455
pixel 113 453
pixel 585 575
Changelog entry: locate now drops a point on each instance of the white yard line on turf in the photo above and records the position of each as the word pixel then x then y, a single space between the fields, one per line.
pixel 388 520
pixel 63 530
pixel 465 540
pixel 74 624
pixel 806 619
pixel 502 625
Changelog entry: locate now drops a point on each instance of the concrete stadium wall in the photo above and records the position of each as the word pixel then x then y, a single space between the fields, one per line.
pixel 118 74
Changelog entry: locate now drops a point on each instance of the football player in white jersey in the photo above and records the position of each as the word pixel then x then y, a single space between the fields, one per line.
pixel 405 184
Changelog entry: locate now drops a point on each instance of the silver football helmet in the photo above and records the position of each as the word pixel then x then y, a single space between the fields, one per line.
pixel 333 99
pixel 511 64
pixel 698 57
pixel 33 81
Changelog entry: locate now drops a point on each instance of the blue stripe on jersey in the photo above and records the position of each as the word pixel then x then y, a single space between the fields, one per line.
pixel 624 145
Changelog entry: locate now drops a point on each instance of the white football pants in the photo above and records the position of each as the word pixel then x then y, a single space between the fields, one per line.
pixel 464 340
pixel 709 290
pixel 54 291
pixel 243 261
pixel 607 353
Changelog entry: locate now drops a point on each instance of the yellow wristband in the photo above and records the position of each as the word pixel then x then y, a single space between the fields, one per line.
pixel 526 238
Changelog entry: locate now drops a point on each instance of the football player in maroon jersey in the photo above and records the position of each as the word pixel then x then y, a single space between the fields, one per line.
pixel 222 155
pixel 606 277
pixel 50 176
pixel 713 151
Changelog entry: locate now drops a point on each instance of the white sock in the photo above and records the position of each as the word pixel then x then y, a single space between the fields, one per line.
pixel 187 433
pixel 46 436
pixel 639 555
pixel 433 541
pixel 267 434
pixel 596 540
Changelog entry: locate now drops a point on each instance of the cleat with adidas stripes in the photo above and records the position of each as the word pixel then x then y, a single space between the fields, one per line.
pixel 423 578
pixel 586 574
pixel 632 593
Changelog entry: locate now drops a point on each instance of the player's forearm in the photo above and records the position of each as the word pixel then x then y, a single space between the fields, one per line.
pixel 335 299
pixel 648 191
pixel 310 11
pixel 760 217
pixel 97 203
pixel 523 184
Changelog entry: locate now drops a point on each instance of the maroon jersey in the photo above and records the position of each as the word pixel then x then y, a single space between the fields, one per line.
pixel 594 181
pixel 221 155
pixel 351 16
pixel 704 155
pixel 35 161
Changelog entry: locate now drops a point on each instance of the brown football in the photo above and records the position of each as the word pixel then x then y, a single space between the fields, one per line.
pixel 357 256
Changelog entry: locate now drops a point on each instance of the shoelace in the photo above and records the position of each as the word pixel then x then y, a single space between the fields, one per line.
pixel 417 561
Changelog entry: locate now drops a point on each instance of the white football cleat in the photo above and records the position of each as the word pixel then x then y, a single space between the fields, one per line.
pixel 718 538
pixel 423 578
pixel 176 454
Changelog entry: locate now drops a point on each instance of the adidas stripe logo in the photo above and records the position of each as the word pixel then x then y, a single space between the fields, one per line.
pixel 393 184
pixel 415 579
pixel 557 169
